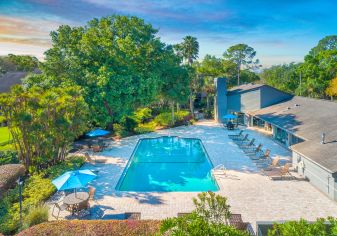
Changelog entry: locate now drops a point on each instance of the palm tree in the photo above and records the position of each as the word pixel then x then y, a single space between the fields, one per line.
pixel 189 50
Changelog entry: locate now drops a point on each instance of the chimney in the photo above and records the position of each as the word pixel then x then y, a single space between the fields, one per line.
pixel 220 99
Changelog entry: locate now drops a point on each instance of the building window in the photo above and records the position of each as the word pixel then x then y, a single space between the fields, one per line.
pixel 281 136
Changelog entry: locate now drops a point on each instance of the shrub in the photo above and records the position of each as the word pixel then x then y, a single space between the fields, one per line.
pixel 72 163
pixel 142 115
pixel 212 207
pixel 95 227
pixel 129 123
pixel 165 118
pixel 8 176
pixel 145 128
pixel 193 224
pixel 119 130
pixel 303 227
pixel 35 190
pixel 8 157
pixel 36 215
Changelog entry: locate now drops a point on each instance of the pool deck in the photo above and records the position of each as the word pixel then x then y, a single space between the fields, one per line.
pixel 249 192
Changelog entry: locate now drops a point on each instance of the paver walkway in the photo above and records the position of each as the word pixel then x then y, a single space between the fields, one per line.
pixel 249 192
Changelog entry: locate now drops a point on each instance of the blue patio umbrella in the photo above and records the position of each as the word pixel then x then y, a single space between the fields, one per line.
pixel 230 116
pixel 74 179
pixel 97 132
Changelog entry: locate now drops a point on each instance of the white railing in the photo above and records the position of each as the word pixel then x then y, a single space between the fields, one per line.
pixel 219 169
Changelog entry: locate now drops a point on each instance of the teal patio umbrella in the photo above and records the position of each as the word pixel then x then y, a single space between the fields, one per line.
pixel 230 116
pixel 97 133
pixel 74 179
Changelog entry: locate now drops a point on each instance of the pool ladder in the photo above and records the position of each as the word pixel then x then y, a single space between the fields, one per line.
pixel 219 169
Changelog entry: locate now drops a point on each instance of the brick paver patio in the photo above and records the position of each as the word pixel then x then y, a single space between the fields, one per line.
pixel 249 192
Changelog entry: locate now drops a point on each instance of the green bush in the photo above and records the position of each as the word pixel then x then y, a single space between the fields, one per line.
pixel 145 128
pixel 212 207
pixel 72 163
pixel 2 119
pixel 165 118
pixel 36 215
pixel 129 123
pixel 35 191
pixel 211 212
pixel 305 228
pixel 119 130
pixel 193 224
pixel 142 115
pixel 8 157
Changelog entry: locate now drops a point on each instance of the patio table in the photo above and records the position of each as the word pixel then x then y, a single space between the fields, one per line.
pixel 74 199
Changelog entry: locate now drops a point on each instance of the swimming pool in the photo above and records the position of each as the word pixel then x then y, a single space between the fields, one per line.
pixel 168 164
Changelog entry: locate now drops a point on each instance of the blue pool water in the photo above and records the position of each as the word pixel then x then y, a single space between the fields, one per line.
pixel 168 164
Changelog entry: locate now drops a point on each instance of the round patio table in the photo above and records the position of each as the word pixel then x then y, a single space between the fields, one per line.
pixel 76 198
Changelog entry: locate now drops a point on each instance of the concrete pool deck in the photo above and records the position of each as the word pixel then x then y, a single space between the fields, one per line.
pixel 249 192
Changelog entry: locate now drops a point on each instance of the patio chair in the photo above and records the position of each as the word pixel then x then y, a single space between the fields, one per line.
pixel 92 191
pixel 60 207
pixel 96 160
pixel 132 216
pixel 97 148
pixel 82 209
pixel 236 135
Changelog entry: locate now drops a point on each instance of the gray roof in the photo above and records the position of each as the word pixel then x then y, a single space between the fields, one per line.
pixel 9 79
pixel 307 118
pixel 244 88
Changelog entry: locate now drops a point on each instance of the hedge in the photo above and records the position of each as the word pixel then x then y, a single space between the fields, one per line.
pixel 95 227
pixel 8 175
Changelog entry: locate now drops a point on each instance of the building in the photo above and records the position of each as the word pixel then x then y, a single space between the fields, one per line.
pixel 10 79
pixel 308 127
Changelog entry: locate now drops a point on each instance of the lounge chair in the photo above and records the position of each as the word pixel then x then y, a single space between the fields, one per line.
pixel 132 216
pixel 279 173
pixel 247 144
pixel 236 135
pixel 236 221
pixel 274 163
pixel 96 160
pixel 182 214
pixel 261 156
pixel 240 139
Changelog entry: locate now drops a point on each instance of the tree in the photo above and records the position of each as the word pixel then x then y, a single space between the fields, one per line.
pixel 285 77
pixel 243 56
pixel 189 50
pixel 116 60
pixel 328 43
pixel 332 89
pixel 43 123
pixel 175 83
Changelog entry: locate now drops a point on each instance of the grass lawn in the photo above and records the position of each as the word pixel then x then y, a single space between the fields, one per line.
pixel 4 138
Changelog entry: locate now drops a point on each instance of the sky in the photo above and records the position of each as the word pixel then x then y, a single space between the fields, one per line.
pixel 280 31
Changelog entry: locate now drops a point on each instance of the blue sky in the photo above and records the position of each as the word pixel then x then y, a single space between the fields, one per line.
pixel 281 31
